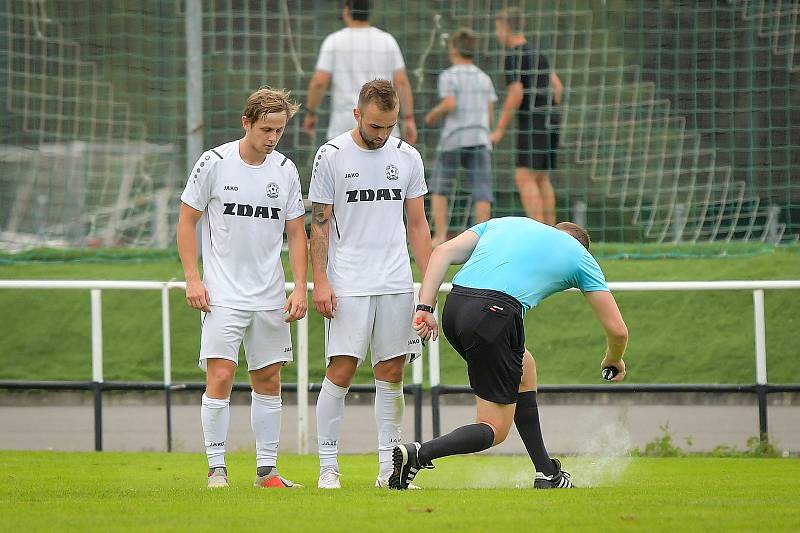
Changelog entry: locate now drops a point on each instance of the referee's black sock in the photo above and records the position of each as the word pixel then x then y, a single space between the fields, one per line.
pixel 466 439
pixel 526 419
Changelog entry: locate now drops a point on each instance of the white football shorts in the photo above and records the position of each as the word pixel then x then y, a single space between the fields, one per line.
pixel 267 338
pixel 381 323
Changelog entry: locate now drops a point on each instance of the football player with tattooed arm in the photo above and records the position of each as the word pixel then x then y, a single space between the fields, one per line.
pixel 363 182
pixel 247 194
pixel 510 265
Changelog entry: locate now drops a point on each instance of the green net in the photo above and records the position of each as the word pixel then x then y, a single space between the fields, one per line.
pixel 678 123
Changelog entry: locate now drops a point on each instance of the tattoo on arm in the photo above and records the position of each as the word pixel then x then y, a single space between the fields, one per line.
pixel 320 231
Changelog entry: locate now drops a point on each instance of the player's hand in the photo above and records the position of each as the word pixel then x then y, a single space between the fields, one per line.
pixel 197 296
pixel 496 136
pixel 310 124
pixel 425 325
pixel 619 365
pixel 324 299
pixel 410 131
pixel 430 118
pixel 296 305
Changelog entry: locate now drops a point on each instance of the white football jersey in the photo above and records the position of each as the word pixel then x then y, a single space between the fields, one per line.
pixel 354 56
pixel 246 209
pixel 367 252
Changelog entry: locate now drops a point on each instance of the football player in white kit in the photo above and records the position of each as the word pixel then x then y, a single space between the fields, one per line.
pixel 246 193
pixel 362 183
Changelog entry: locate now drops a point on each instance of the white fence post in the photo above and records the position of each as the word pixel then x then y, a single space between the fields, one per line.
pixel 166 348
pixel 761 337
pixel 97 367
pixel 165 336
pixel 416 365
pixel 97 336
pixel 302 385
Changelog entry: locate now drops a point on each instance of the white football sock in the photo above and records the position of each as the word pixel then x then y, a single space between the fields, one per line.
pixel 389 407
pixel 265 419
pixel 216 417
pixel 330 409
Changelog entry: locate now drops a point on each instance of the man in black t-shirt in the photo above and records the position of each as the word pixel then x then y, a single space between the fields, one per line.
pixel 533 92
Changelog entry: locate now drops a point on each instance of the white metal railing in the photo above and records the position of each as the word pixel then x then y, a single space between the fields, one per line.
pixel 96 288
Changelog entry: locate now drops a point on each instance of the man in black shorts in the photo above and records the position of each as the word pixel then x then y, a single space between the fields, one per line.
pixel 529 93
pixel 510 265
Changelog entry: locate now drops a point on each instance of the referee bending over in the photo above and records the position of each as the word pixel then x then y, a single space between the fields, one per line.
pixel 510 265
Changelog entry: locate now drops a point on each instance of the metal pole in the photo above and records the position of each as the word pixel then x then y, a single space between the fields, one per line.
pixel 771 231
pixel 167 357
pixel 678 222
pixel 761 362
pixel 302 385
pixel 434 378
pixel 417 376
pixel 436 421
pixel 97 367
pixel 194 82
pixel 579 213
pixel 418 412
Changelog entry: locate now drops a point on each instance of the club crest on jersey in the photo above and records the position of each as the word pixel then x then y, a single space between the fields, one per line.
pixel 392 172
pixel 272 189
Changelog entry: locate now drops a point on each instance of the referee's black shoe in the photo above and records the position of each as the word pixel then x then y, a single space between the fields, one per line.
pixel 405 459
pixel 559 480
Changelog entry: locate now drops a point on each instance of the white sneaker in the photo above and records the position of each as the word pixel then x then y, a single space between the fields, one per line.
pixel 217 477
pixel 329 479
pixel 382 482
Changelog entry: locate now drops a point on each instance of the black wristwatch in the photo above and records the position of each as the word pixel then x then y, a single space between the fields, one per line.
pixel 426 308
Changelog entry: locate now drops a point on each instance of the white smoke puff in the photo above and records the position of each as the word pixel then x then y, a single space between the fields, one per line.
pixel 512 472
pixel 605 455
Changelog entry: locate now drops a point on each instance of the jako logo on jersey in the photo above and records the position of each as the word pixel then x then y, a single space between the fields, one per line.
pixel 273 190
pixel 392 172
pixel 351 175
pixel 246 210
pixel 413 341
pixel 230 188
pixel 373 195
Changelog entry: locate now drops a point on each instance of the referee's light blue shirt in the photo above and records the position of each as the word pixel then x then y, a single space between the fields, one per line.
pixel 529 261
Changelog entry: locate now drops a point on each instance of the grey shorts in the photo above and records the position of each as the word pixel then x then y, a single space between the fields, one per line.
pixel 477 164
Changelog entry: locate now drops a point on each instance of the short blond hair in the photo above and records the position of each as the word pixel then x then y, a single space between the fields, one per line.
pixel 267 100
pixel 513 17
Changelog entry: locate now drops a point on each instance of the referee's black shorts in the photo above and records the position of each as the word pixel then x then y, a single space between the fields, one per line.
pixel 485 328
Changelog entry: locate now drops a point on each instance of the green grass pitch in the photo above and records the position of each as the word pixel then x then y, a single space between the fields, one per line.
pixel 48 491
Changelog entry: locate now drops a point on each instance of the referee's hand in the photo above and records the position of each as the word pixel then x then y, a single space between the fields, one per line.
pixel 425 325
pixel 619 365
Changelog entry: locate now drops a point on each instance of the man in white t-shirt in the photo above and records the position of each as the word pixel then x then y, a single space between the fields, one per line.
pixel 246 193
pixel 362 184
pixel 349 58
